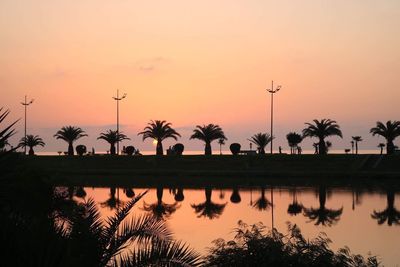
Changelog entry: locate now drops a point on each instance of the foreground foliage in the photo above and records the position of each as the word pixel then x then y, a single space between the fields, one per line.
pixel 253 247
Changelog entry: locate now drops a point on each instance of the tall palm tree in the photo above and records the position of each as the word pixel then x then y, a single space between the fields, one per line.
pixel 261 140
pixel 208 208
pixel 31 141
pixel 381 146
pixel 294 139
pixel 356 139
pixel 207 134
pixel 322 215
pixel 390 214
pixel 159 130
pixel 70 134
pixel 7 132
pixel 159 209
pixel 112 137
pixel 322 129
pixel 221 142
pixel 389 131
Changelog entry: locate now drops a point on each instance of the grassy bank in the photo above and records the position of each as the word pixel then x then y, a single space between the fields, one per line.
pixel 193 170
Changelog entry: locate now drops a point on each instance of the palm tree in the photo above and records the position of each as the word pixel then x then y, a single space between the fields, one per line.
pixel 294 139
pixel 208 208
pixel 7 132
pixel 112 137
pixel 160 210
pixel 295 207
pixel 322 129
pixel 207 134
pixel 322 215
pixel 356 139
pixel 381 146
pixel 389 131
pixel 104 242
pixel 261 140
pixel 70 134
pixel 262 203
pixel 31 141
pixel 221 142
pixel 390 214
pixel 159 130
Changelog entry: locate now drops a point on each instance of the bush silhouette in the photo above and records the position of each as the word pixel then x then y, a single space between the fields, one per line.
pixel 235 148
pixel 80 150
pixel 178 149
pixel 130 150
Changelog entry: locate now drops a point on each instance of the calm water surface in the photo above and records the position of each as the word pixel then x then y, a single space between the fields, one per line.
pixel 365 221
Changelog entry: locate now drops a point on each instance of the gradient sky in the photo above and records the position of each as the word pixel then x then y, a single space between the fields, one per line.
pixel 198 62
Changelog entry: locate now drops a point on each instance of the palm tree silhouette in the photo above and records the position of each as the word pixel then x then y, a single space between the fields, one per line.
pixel 262 203
pixel 294 139
pixel 159 209
pixel 322 129
pixel 70 134
pixel 389 131
pixel 295 207
pixel 322 215
pixel 381 146
pixel 207 134
pixel 356 139
pixel 352 146
pixel 221 142
pixel 31 141
pixel 390 214
pixel 261 140
pixel 159 130
pixel 112 137
pixel 113 202
pixel 208 208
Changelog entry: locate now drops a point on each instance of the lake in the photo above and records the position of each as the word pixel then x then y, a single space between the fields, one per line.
pixel 364 219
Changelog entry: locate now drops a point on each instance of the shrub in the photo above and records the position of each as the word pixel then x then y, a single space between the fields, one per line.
pixel 80 149
pixel 235 148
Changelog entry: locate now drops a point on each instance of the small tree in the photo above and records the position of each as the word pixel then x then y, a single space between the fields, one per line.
pixel 31 141
pixel 294 139
pixel 235 148
pixel 356 139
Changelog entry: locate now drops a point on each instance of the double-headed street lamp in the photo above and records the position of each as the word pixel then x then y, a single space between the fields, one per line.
pixel 117 98
pixel 26 104
pixel 272 91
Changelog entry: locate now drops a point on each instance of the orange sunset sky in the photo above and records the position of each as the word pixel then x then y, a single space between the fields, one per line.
pixel 198 62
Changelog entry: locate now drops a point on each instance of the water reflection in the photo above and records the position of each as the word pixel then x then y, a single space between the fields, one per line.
pixel 262 203
pixel 208 208
pixel 112 202
pixel 159 209
pixel 179 196
pixel 235 197
pixel 129 192
pixel 390 215
pixel 322 215
pixel 295 207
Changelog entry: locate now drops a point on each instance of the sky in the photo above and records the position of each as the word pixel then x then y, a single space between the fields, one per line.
pixel 200 62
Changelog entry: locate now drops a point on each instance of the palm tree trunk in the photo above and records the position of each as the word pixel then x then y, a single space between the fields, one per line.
pixel 261 150
pixel 381 150
pixel 159 148
pixel 356 148
pixel 207 150
pixel 31 152
pixel 70 149
pixel 112 149
pixel 389 147
pixel 322 147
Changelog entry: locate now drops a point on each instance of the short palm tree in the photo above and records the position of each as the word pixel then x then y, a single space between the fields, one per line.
pixel 389 131
pixel 294 139
pixel 159 209
pixel 322 129
pixel 7 132
pixel 221 142
pixel 70 134
pixel 381 146
pixel 207 134
pixel 390 215
pixel 159 130
pixel 261 140
pixel 208 208
pixel 31 141
pixel 112 137
pixel 356 139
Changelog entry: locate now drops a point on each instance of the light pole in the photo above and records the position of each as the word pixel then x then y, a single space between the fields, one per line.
pixel 272 91
pixel 26 104
pixel 117 98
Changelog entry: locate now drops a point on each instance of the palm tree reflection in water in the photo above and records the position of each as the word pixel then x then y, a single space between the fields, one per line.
pixel 322 215
pixel 295 207
pixel 390 214
pixel 208 208
pixel 113 202
pixel 161 210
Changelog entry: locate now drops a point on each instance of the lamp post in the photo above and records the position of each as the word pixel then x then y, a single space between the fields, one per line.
pixel 26 104
pixel 117 98
pixel 272 91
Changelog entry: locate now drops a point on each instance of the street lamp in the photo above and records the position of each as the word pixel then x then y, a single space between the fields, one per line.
pixel 272 91
pixel 117 98
pixel 26 104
